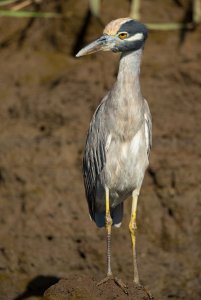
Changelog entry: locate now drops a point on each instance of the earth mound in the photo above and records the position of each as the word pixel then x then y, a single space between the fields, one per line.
pixel 85 288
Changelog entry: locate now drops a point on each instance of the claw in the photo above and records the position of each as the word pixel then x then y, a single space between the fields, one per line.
pixel 121 284
pixel 146 291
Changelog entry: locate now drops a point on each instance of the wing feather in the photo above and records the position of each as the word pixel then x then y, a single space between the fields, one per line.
pixel 94 156
pixel 148 127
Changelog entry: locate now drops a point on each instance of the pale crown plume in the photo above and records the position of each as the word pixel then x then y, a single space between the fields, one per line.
pixel 113 27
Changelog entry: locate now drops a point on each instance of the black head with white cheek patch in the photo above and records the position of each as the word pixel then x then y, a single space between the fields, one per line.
pixel 131 36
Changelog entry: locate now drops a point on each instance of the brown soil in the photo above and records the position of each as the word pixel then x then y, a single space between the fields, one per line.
pixel 85 288
pixel 47 99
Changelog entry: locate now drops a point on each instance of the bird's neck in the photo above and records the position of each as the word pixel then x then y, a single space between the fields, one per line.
pixel 129 71
pixel 126 92
pixel 126 101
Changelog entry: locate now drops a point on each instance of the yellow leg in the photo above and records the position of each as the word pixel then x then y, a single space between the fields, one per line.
pixel 133 227
pixel 108 224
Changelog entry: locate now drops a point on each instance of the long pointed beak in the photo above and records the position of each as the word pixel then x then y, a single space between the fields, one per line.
pixel 104 43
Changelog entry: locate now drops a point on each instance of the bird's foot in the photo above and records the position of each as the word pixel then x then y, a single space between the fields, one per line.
pixel 118 282
pixel 142 287
pixel 121 284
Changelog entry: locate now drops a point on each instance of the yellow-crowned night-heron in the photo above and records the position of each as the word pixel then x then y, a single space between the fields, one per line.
pixel 120 134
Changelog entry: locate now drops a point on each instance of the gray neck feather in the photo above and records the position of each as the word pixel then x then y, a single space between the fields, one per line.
pixel 126 90
pixel 129 71
pixel 131 60
pixel 126 101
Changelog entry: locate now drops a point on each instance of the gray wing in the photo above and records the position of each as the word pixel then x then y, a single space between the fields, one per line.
pixel 94 156
pixel 148 127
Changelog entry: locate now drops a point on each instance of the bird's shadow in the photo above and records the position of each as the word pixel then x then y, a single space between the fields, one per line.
pixel 37 286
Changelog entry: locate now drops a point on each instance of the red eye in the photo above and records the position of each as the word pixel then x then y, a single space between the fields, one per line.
pixel 123 35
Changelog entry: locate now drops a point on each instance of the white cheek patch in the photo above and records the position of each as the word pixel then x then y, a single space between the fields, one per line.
pixel 136 37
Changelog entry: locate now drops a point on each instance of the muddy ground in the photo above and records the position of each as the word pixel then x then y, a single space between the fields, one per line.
pixel 47 98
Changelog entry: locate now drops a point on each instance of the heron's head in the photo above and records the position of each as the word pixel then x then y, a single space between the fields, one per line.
pixel 120 35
